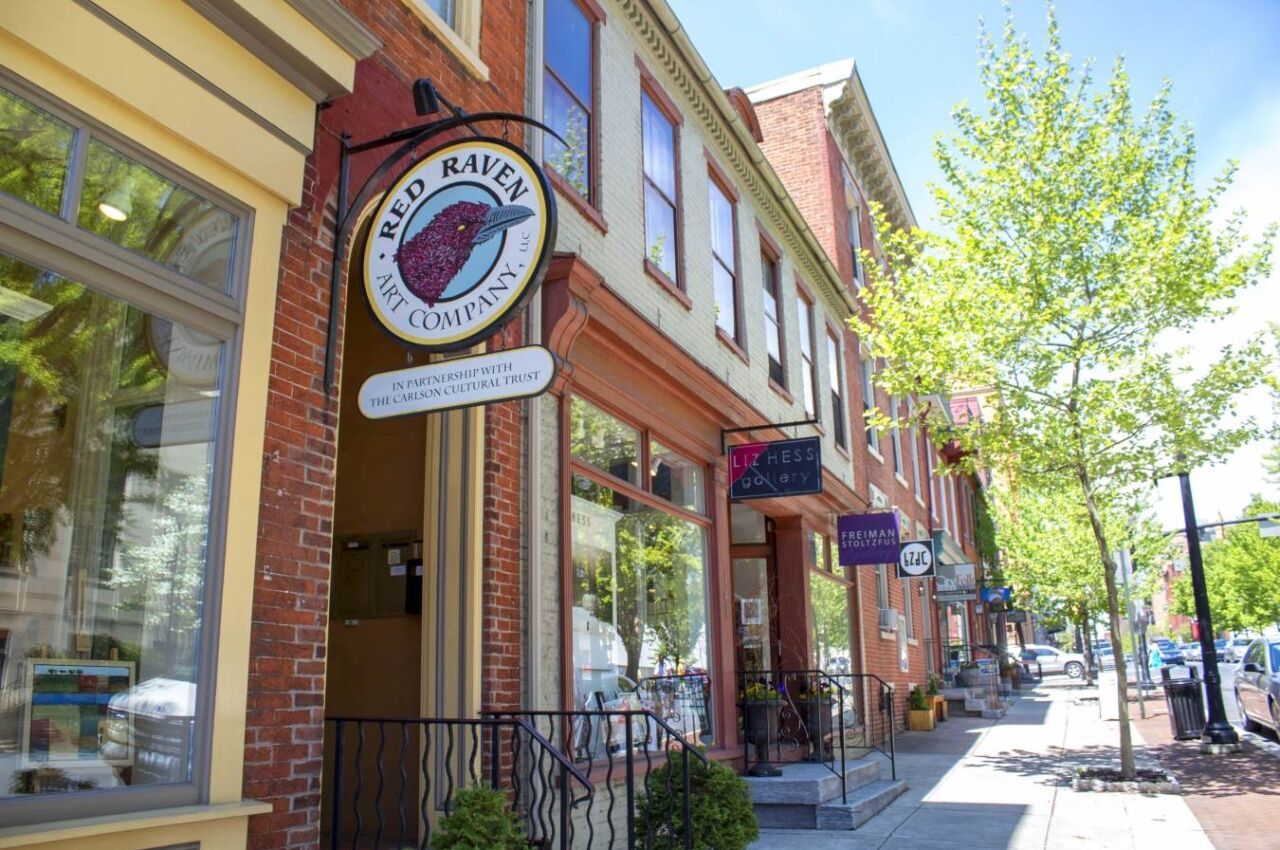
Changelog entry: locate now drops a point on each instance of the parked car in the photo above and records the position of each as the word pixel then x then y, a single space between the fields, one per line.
pixel 1234 650
pixel 1052 660
pixel 1258 685
pixel 1170 653
pixel 1191 651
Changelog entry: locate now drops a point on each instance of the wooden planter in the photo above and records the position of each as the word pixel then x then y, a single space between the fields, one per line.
pixel 939 707
pixel 920 719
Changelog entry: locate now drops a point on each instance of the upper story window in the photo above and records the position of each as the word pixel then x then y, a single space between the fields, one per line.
pixel 915 449
pixel 773 335
pixel 804 315
pixel 568 95
pixel 853 207
pixel 724 260
pixel 835 378
pixel 895 435
pixel 935 496
pixel 869 401
pixel 661 193
pixel 456 23
pixel 111 384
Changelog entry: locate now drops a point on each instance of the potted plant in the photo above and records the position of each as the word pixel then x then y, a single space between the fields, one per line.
pixel 971 674
pixel 816 703
pixel 920 716
pixel 480 820
pixel 761 702
pixel 720 813
pixel 933 692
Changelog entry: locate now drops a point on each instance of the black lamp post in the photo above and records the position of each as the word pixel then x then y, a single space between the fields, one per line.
pixel 1219 735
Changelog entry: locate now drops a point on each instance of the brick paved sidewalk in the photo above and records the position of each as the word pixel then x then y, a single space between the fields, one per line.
pixel 1236 798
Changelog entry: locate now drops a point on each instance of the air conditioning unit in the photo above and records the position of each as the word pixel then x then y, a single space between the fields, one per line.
pixel 888 619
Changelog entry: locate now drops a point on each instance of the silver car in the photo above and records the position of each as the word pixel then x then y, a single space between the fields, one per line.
pixel 1052 659
pixel 1258 685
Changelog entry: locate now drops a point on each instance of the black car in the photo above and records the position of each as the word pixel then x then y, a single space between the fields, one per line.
pixel 1258 685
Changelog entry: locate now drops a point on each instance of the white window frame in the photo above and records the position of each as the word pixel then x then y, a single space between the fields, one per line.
pixel 462 39
pixel 869 403
pixel 895 438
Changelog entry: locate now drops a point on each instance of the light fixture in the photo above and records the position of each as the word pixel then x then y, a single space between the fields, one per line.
pixel 118 203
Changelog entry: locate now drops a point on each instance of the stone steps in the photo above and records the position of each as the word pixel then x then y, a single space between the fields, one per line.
pixel 807 796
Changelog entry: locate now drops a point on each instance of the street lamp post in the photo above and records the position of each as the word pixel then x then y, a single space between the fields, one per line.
pixel 1219 736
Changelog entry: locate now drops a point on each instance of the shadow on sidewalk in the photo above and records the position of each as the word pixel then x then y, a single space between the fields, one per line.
pixel 1053 767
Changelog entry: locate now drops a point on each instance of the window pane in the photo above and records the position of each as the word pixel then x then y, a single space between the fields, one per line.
pixel 747 525
pixel 829 601
pixel 659 148
pixel 138 209
pixel 660 231
pixel 639 606
pixel 35 149
pixel 569 46
pixel 772 328
pixel 726 304
pixel 446 10
pixel 106 447
pixel 562 113
pixel 722 227
pixel 606 443
pixel 675 478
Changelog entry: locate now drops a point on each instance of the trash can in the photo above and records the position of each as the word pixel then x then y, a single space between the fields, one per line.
pixel 1184 698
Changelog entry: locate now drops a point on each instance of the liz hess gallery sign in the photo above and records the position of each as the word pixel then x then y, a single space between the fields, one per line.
pixel 461 382
pixel 780 468
pixel 458 244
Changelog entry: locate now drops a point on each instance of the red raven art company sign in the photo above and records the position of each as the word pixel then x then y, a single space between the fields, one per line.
pixel 458 244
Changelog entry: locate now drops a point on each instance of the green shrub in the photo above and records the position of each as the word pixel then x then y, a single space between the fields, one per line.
pixel 917 699
pixel 480 821
pixel 721 817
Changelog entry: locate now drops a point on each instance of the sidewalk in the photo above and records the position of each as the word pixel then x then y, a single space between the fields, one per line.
pixel 1003 785
pixel 1236 798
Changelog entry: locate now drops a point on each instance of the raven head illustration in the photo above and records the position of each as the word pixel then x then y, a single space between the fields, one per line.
pixel 432 258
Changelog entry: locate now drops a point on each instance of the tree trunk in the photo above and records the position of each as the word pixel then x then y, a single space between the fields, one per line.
pixel 1127 769
pixel 1088 648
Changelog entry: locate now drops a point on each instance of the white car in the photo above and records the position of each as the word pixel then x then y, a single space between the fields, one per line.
pixel 1051 659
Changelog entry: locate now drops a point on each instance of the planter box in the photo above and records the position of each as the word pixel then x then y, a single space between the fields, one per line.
pixel 940 709
pixel 920 720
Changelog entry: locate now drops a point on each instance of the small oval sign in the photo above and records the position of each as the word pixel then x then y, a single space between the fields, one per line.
pixel 460 382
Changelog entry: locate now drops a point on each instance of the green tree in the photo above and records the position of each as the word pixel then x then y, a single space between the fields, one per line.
pixel 1076 245
pixel 1241 573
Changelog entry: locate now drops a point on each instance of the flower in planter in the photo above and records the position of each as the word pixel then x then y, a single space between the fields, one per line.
pixel 763 691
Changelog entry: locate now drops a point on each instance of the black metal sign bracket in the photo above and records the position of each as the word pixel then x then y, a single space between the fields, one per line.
pixel 427 100
pixel 725 432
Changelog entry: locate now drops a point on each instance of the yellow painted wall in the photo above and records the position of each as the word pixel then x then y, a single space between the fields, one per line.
pixel 78 58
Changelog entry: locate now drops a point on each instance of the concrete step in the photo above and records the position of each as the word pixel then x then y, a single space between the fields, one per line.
pixel 863 805
pixel 992 713
pixel 811 784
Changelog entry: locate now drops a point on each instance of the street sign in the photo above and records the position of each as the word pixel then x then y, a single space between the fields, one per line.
pixel 780 468
pixel 915 559
pixel 867 538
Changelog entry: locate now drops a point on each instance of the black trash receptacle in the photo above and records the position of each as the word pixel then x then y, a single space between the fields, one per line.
pixel 1184 698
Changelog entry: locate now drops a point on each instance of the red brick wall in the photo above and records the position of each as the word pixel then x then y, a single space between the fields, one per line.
pixel 283 739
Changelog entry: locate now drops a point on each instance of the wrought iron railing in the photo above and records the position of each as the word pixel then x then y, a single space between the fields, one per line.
pixel 814 716
pixel 624 750
pixel 392 778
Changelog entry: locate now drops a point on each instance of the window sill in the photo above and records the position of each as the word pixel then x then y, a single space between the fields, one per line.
pixel 782 391
pixel 875 454
pixel 888 636
pixel 667 283
pixel 32 835
pixel 902 479
pixel 913 641
pixel 732 345
pixel 842 450
pixel 448 36
pixel 920 501
pixel 579 203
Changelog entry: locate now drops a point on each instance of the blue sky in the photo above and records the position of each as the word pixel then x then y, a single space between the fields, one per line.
pixel 917 59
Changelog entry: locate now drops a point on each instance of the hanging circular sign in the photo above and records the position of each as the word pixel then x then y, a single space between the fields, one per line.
pixel 458 244
pixel 915 559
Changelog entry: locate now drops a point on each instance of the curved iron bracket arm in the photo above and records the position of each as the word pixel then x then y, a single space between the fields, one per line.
pixel 412 138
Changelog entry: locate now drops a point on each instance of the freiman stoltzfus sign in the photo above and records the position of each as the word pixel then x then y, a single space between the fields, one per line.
pixel 458 244
pixel 867 538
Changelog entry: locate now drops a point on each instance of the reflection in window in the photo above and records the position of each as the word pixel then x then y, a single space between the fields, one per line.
pixel 447 10
pixel 35 151
pixel 772 321
pixel 724 266
pixel 829 602
pixel 139 209
pixel 675 478
pixel 567 93
pixel 606 443
pixel 105 464
pixel 659 187
pixel 639 601
pixel 804 316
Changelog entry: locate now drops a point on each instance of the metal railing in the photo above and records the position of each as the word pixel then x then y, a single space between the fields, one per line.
pixel 392 778
pixel 637 805
pixel 961 658
pixel 818 717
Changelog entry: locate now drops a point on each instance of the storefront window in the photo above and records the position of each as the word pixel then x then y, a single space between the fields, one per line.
pixel 107 423
pixel 639 576
pixel 35 152
pixel 829 603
